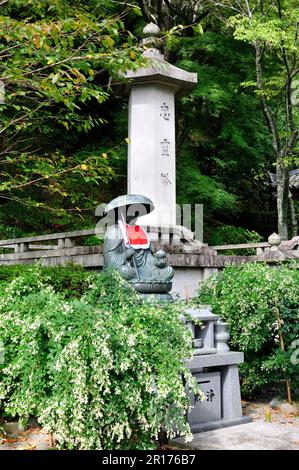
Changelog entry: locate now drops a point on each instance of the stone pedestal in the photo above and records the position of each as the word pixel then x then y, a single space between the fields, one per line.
pixel 215 369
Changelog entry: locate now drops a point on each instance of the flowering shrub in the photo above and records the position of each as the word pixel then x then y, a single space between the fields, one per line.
pixel 100 372
pixel 261 306
pixel 71 280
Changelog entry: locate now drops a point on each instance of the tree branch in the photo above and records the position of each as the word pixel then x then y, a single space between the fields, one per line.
pixel 173 10
pixel 145 11
pixel 266 110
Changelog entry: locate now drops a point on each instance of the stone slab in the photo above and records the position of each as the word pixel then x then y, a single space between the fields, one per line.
pixel 251 436
pixel 213 360
pixel 222 423
pixel 202 313
pixel 203 351
pixel 210 408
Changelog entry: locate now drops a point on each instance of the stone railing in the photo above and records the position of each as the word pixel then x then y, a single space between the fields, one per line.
pixel 273 245
pixel 258 247
pixel 63 240
pixel 52 249
pixel 193 261
pixel 57 244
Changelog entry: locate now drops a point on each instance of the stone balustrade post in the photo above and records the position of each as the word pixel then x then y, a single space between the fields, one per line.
pixel 69 243
pixel 21 247
pixel 274 240
pixel 61 243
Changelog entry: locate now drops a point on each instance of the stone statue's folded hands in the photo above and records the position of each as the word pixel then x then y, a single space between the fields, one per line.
pixel 129 253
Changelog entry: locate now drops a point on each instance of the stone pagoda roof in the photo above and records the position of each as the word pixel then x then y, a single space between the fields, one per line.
pixel 159 70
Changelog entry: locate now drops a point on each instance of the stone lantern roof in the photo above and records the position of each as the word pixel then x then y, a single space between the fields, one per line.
pixel 159 71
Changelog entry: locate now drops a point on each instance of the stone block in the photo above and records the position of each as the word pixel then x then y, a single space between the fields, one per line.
pixel 231 396
pixel 209 409
pixel 215 360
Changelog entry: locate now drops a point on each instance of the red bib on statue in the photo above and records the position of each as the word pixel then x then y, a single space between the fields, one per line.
pixel 134 236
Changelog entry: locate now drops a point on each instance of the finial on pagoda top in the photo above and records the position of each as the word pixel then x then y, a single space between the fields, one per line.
pixel 152 42
pixel 158 70
pixel 151 29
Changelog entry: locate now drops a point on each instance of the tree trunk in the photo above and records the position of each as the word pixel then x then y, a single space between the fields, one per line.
pixel 294 223
pixel 282 173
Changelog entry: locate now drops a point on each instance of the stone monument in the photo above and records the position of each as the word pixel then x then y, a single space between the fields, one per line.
pixel 215 369
pixel 151 172
pixel 151 154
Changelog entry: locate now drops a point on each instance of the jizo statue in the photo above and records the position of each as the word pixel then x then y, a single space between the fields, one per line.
pixel 127 248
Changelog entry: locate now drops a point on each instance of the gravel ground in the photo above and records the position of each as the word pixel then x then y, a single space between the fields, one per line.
pixel 33 439
pixel 261 411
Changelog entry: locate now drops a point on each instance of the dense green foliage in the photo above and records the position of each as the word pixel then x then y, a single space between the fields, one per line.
pixel 56 61
pixel 271 28
pixel 252 298
pixel 71 280
pixel 100 372
pixel 229 234
pixel 226 147
pixel 64 127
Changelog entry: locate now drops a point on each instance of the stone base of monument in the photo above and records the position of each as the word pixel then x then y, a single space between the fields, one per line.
pixel 215 369
pixel 153 287
pixel 155 292
pixel 157 299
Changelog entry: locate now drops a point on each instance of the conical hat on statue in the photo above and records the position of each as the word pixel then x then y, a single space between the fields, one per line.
pixel 131 200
